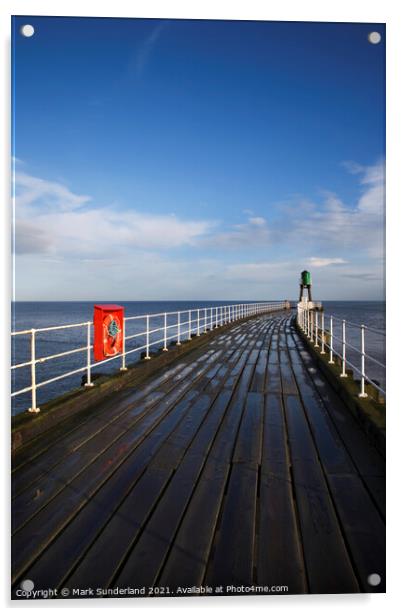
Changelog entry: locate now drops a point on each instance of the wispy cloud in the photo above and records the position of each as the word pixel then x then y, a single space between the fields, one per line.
pixel 147 46
pixel 33 191
pixel 332 225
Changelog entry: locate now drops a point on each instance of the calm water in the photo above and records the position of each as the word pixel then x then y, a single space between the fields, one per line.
pixel 27 315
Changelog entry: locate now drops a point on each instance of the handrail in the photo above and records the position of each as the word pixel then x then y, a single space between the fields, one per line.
pixel 358 325
pixel 316 332
pixel 175 325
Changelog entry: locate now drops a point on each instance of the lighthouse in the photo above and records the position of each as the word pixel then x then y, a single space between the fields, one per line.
pixel 305 283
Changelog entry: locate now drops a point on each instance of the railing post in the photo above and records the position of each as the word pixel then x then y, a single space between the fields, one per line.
pixel 123 367
pixel 362 393
pixel 311 326
pixel 165 333
pixel 89 382
pixel 205 320
pixel 316 329
pixel 147 356
pixel 33 408
pixel 198 321
pixel 211 325
pixel 331 335
pixel 189 325
pixel 216 317
pixel 178 343
pixel 322 333
pixel 343 373
pixel 308 324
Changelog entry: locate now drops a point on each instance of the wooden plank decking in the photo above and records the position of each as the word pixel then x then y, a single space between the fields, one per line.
pixel 238 466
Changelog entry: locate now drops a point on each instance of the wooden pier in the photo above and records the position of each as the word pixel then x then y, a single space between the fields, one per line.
pixel 238 465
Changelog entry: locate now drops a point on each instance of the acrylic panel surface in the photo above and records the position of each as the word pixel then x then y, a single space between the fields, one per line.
pixel 218 436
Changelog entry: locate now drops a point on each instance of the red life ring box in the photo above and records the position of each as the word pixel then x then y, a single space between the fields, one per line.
pixel 108 330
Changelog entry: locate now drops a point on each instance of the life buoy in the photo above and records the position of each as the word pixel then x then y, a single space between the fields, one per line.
pixel 112 335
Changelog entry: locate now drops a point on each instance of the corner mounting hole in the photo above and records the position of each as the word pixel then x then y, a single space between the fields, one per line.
pixel 27 585
pixel 27 30
pixel 374 579
pixel 374 38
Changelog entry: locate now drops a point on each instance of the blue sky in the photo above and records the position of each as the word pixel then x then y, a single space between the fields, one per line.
pixel 175 159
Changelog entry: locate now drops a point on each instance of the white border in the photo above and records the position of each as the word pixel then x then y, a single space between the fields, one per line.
pixel 288 10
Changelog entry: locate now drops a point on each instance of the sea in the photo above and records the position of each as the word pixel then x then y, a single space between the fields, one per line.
pixel 37 315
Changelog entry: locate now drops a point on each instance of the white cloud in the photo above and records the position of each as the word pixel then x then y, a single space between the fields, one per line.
pixel 325 262
pixel 33 191
pixel 50 219
pixel 335 226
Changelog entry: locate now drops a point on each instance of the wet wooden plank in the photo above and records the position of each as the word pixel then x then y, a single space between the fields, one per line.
pixel 233 558
pixel 124 527
pixel 59 476
pixel 148 556
pixel 258 383
pixel 53 563
pixel 368 462
pixel 189 554
pixel 239 509
pixel 279 557
pixel 288 381
pixel 42 453
pixel 35 535
pixel 363 528
pixel 328 565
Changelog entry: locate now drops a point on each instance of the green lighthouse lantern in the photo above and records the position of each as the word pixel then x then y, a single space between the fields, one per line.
pixel 305 283
pixel 306 277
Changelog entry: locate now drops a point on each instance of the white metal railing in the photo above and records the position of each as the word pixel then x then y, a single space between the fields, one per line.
pixel 314 324
pixel 151 330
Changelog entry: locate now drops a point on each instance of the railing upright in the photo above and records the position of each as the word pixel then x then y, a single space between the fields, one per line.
pixel 362 393
pixel 322 333
pixel 198 321
pixel 343 373
pixel 331 336
pixel 123 367
pixel 189 325
pixel 165 348
pixel 178 343
pixel 34 408
pixel 89 382
pixel 147 356
pixel 316 329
